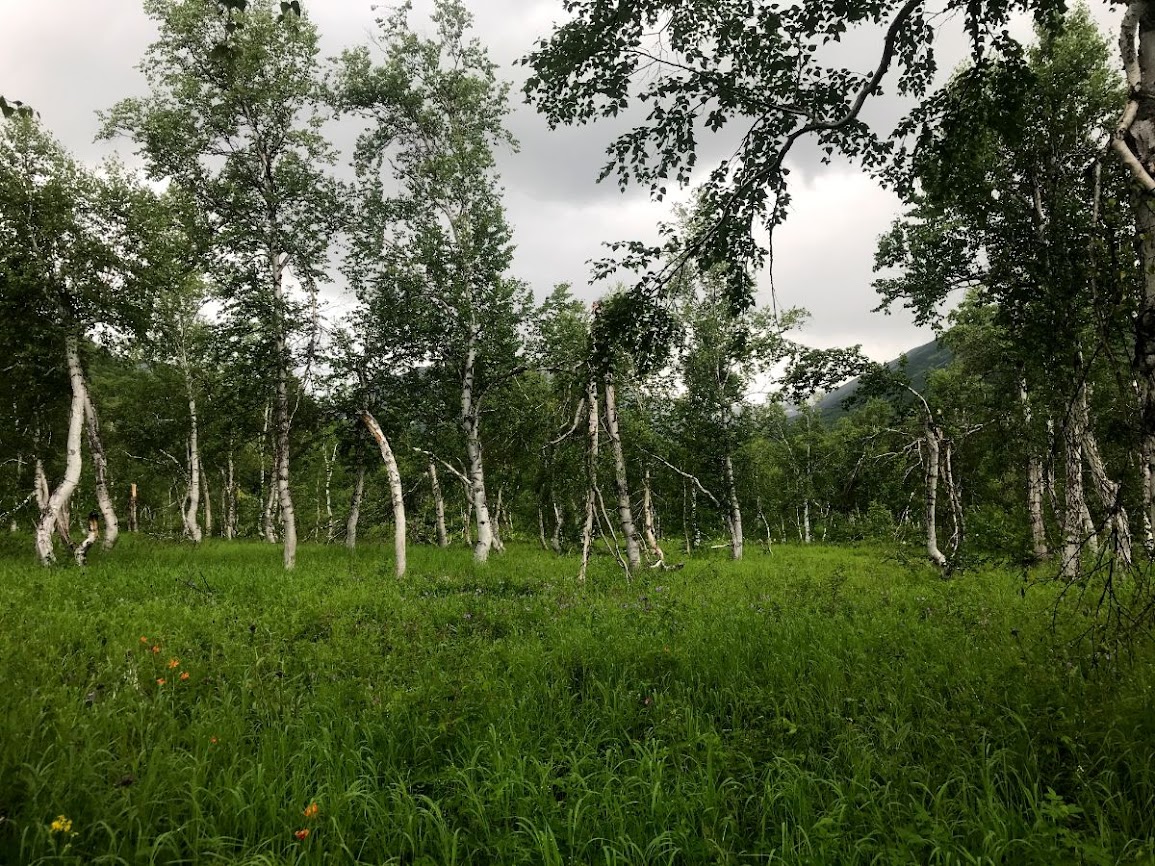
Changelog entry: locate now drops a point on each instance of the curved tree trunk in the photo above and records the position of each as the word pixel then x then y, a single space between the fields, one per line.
pixel 621 482
pixel 395 491
pixel 59 497
pixel 100 473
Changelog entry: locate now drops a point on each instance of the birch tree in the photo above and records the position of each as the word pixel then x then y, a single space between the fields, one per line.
pixel 234 120
pixel 429 261
pixel 1018 205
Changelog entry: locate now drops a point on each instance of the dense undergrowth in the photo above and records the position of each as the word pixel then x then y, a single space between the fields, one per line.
pixel 814 706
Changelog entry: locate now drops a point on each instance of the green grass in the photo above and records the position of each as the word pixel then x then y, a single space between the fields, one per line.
pixel 815 706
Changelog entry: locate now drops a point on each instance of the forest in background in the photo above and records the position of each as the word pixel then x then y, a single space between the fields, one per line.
pixel 171 368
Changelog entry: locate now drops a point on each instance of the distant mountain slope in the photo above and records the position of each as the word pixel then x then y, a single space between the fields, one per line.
pixel 919 364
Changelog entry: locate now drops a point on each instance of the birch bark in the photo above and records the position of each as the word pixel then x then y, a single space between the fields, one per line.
pixel 621 481
pixel 355 508
pixel 592 433
pixel 471 424
pixel 100 473
pixel 395 492
pixel 59 497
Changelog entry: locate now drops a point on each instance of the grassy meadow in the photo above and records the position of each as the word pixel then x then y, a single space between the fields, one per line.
pixel 821 705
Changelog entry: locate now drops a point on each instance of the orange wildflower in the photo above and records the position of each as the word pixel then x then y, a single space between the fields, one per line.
pixel 302 834
pixel 160 681
pixel 311 810
pixel 155 648
pixel 143 639
pixel 183 676
pixel 173 663
pixel 213 740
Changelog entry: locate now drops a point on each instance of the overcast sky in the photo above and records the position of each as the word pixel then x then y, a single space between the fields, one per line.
pixel 69 58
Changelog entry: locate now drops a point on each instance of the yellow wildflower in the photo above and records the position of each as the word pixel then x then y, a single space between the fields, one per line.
pixel 62 825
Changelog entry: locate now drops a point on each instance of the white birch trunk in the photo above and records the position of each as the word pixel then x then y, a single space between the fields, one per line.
pixel 133 509
pixel 1118 526
pixel 555 539
pixel 90 539
pixel 932 438
pixel 192 499
pixel 100 474
pixel 231 498
pixel 59 497
pixel 592 445
pixel 207 499
pixel 1074 505
pixel 621 481
pixel 471 423
pixel 395 492
pixel 648 531
pixel 1039 549
pixel 355 508
pixel 737 541
pixel 438 506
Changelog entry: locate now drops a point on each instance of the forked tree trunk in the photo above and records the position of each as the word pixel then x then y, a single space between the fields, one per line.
pixel 100 473
pixel 736 537
pixel 42 496
pixel 621 482
pixel 438 506
pixel 395 492
pixel 592 444
pixel 471 425
pixel 59 497
pixel 355 508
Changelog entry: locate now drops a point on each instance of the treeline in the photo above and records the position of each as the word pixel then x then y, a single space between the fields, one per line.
pixel 170 363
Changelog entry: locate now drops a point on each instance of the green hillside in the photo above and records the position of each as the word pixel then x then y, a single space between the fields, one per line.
pixel 920 362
